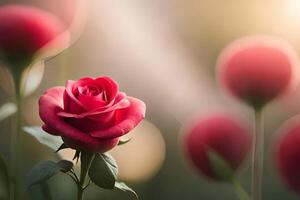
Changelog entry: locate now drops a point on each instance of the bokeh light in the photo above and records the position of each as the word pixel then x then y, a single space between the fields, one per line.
pixel 141 158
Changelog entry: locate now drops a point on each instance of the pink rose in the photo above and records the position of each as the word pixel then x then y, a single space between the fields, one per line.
pixel 90 114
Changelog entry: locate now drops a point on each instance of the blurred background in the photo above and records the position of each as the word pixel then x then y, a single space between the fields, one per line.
pixel 163 52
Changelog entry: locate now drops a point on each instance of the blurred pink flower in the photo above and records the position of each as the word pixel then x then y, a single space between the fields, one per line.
pixel 258 69
pixel 221 134
pixel 287 151
pixel 25 31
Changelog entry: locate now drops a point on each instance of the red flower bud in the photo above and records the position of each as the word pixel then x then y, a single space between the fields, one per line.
pixel 258 69
pixel 24 31
pixel 224 135
pixel 287 153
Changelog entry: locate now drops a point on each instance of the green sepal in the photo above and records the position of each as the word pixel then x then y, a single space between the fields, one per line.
pixel 122 142
pixel 77 155
pixel 63 146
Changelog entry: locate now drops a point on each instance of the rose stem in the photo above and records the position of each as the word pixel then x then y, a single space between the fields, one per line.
pixel 240 191
pixel 15 137
pixel 83 175
pixel 257 155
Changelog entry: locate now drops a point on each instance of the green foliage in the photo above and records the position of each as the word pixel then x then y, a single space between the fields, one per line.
pixel 122 186
pixel 65 165
pixel 45 170
pixel 103 171
pixel 51 141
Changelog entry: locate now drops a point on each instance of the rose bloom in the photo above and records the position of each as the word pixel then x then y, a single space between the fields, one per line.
pixel 287 151
pixel 258 69
pixel 90 114
pixel 220 133
pixel 25 30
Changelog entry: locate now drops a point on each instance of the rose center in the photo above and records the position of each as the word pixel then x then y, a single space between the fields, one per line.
pixel 89 90
pixel 92 90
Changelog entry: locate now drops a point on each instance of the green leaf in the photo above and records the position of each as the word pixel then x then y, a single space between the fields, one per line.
pixel 122 142
pixel 54 142
pixel 45 190
pixel 221 168
pixel 42 172
pixel 103 171
pixel 65 165
pixel 122 186
pixel 4 180
pixel 111 162
pixel 41 191
pixel 7 110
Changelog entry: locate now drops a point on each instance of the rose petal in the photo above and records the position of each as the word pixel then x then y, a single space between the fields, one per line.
pixel 109 85
pixel 91 102
pixel 50 130
pixel 126 120
pixel 49 105
pixel 121 104
pixel 119 97
pixel 71 103
pixel 56 95
pixel 77 103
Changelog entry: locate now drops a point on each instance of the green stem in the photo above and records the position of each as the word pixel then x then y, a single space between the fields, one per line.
pixel 79 193
pixel 257 155
pixel 240 191
pixel 15 141
pixel 83 175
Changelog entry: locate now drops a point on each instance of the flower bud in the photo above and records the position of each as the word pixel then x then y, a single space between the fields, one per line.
pixel 258 69
pixel 287 153
pixel 221 134
pixel 24 31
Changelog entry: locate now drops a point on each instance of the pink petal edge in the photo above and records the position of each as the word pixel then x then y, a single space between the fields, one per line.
pixel 133 115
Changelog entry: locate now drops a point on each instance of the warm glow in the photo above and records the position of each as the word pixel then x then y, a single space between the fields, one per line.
pixel 141 158
pixel 293 7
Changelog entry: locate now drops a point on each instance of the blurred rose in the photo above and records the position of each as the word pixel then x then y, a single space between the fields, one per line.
pixel 258 69
pixel 287 151
pixel 221 134
pixel 90 114
pixel 73 13
pixel 25 31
